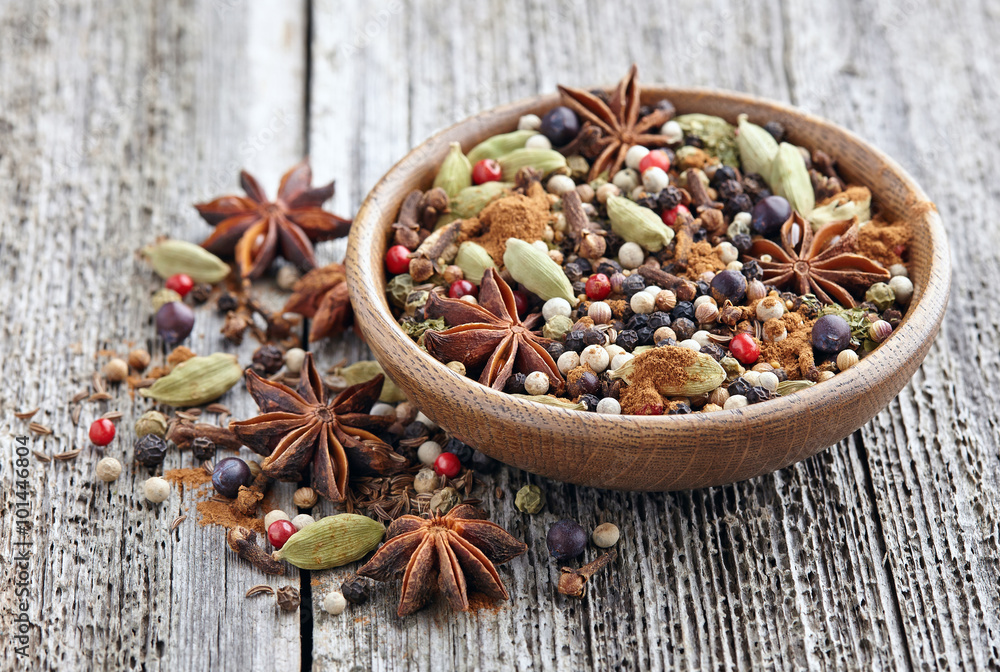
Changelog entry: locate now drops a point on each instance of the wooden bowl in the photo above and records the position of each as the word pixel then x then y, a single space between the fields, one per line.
pixel 655 452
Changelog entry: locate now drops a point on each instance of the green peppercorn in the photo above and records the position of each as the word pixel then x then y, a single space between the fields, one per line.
pixel 530 499
pixel 881 295
pixel 557 327
pixel 151 422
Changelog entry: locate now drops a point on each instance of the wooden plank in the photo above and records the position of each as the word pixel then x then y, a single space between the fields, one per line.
pixel 802 568
pixel 115 120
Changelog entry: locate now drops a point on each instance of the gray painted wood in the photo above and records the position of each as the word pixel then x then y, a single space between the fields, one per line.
pixel 881 553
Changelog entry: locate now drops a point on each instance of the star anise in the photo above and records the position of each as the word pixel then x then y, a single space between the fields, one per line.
pixel 321 295
pixel 489 332
pixel 300 427
pixel 618 121
pixel 825 263
pixel 255 230
pixel 448 554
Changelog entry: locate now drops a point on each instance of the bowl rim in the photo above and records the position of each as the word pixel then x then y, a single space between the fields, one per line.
pixel 918 327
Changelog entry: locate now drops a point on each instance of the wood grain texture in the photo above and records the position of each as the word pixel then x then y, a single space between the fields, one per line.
pixel 881 553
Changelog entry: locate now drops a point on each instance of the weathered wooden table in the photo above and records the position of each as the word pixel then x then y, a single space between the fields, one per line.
pixel 881 552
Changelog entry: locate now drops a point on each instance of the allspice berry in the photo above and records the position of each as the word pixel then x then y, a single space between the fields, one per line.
pixel 138 359
pixel 305 498
pixel 109 469
pixel 116 370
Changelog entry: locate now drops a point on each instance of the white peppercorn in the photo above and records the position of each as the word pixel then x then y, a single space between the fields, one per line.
pixel 770 308
pixel 898 270
pixel 672 132
pixel 727 252
pixel 752 377
pixel 556 306
pixel 631 255
pixel 618 361
pixel 642 303
pixel 614 350
pixel 568 361
pixel 902 286
pixel 427 422
pixel 156 489
pixel 626 179
pixel 287 276
pixel 825 376
pixel 536 382
pixel 293 359
pixel 116 370
pixel 538 142
pixel 655 180
pixel 768 381
pixel 609 405
pixel 381 408
pixel 529 122
pixel 735 401
pixel 606 535
pixel 734 266
pixel 846 359
pixel 702 337
pixel 428 452
pixel 425 481
pixel 109 469
pixel 606 191
pixel 596 357
pixel 635 155
pixel 335 603
pixel 690 344
pixel 302 520
pixel 560 184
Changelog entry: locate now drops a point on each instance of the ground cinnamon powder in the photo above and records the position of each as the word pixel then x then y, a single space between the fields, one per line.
pixel 523 216
pixel 653 370
pixel 701 258
pixel 794 353
pixel 190 478
pixel 882 241
pixel 216 512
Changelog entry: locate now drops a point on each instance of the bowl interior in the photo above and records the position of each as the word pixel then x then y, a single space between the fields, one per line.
pixel 656 452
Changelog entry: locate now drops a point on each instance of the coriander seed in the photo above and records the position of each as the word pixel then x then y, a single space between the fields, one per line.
pixel 305 498
pixel 846 359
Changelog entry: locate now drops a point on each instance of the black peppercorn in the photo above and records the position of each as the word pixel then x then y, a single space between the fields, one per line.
pixel 664 342
pixel 739 386
pixel 756 395
pixel 637 321
pixel 515 384
pixel 755 186
pixel 694 141
pixel 682 309
pixel 684 328
pixel 590 401
pixel 585 267
pixel 678 408
pixel 609 267
pixel 227 303
pixel 776 130
pixel 781 374
pixel 585 383
pixel 199 293
pixel 651 202
pixel 724 174
pixel 633 284
pixel 743 242
pixel 714 350
pixel 659 319
pixel 415 429
pixel 268 358
pixel 729 189
pixel 627 340
pixel 669 198
pixel 150 450
pixel 462 451
pixel 751 270
pixel 579 287
pixel 645 335
pixel 203 448
pixel 593 337
pixel 555 349
pixel 355 590
pixel 737 204
pixel 572 271
pixel 574 341
pixel 483 463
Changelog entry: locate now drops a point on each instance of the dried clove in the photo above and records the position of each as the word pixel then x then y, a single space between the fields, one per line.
pixel 244 543
pixel 573 582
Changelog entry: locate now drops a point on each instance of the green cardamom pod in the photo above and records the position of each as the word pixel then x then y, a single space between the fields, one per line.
pixel 703 375
pixel 537 272
pixel 399 288
pixel 757 147
pixel 170 257
pixel 717 134
pixel 362 372
pixel 855 202
pixel 543 160
pixel 549 400
pixel 332 541
pixel 196 381
pixel 455 173
pixel 530 499
pixel 470 201
pixel 792 386
pixel 498 145
pixel 473 259
pixel 637 224
pixel 790 178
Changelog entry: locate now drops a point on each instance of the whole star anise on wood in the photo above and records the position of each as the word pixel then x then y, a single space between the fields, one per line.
pixel 825 263
pixel 489 332
pixel 321 295
pixel 618 121
pixel 449 554
pixel 300 427
pixel 255 230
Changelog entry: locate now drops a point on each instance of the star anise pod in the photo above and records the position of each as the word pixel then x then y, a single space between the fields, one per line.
pixel 489 332
pixel 255 230
pixel 300 427
pixel 321 295
pixel 618 121
pixel 825 263
pixel 449 554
